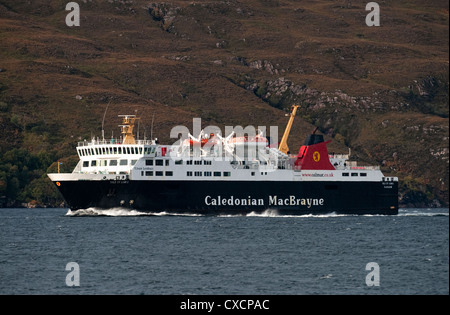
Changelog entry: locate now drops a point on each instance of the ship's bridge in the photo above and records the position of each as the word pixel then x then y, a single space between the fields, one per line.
pixel 116 156
pixel 101 148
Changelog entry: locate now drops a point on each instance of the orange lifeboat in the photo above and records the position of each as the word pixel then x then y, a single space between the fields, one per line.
pixel 256 140
pixel 202 142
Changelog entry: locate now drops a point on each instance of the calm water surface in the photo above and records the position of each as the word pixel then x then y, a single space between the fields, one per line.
pixel 119 252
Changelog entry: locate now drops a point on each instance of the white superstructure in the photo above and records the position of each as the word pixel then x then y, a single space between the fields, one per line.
pixel 206 157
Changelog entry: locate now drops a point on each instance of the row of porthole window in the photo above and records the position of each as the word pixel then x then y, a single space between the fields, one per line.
pixel 115 150
pixel 110 150
pixel 109 163
pixel 189 173
pixel 156 173
pixel 216 174
pixel 354 174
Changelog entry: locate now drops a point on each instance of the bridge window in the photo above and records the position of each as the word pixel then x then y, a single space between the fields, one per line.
pixel 123 162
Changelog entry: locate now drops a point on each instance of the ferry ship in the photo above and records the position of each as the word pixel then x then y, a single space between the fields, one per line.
pixel 233 174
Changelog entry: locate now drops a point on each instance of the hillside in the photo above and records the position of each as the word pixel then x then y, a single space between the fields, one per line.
pixel 381 91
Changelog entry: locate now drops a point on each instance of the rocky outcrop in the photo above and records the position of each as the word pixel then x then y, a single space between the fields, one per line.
pixel 429 95
pixel 282 92
pixel 164 13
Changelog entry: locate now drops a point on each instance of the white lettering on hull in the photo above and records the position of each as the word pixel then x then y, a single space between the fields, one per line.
pixel 272 201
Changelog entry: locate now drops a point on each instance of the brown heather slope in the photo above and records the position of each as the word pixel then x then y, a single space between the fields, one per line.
pixel 381 91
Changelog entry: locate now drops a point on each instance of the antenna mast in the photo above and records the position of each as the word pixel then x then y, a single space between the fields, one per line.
pixel 103 121
pixel 151 130
pixel 137 134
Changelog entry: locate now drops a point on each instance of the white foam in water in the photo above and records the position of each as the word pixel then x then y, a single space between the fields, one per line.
pixel 164 213
pixel 266 213
pixel 273 213
pixel 113 212
pixel 269 213
pixel 429 212
pixel 121 212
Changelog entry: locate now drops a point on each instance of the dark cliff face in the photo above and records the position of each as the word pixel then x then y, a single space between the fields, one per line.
pixel 381 91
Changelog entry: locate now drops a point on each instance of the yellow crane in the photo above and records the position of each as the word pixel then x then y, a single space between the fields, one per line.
pixel 283 147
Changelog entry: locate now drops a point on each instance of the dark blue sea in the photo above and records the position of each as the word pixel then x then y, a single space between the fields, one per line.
pixel 121 252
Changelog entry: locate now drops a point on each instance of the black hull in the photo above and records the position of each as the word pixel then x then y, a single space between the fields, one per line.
pixel 237 197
